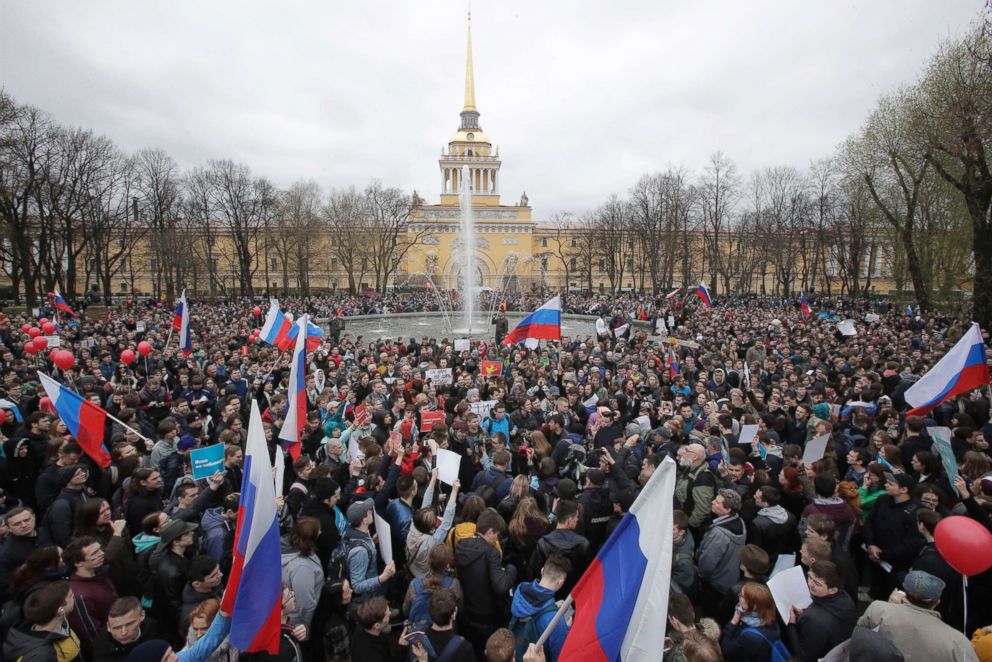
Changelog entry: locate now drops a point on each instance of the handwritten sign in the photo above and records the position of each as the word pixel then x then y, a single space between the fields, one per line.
pixel 462 344
pixel 482 408
pixel 207 460
pixel 439 376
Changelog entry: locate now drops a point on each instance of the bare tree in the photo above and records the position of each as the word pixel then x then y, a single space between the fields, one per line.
pixel 390 235
pixel 159 192
pixel 719 193
pixel 200 227
pixel 563 247
pixel 113 228
pixel 344 214
pixel 614 239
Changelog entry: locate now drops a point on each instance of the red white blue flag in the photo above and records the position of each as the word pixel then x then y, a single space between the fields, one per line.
pixel 61 304
pixel 296 415
pixel 254 591
pixel 181 324
pixel 703 293
pixel 961 370
pixel 84 419
pixel 621 602
pixel 804 305
pixel 542 324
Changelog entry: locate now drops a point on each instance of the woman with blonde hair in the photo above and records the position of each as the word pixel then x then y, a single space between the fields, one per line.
pixel 541 445
pixel 527 526
pixel 519 489
pixel 751 633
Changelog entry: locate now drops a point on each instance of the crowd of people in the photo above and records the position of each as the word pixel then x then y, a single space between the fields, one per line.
pixel 131 561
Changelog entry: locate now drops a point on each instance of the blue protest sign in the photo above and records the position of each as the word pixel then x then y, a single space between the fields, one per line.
pixel 207 460
pixel 942 443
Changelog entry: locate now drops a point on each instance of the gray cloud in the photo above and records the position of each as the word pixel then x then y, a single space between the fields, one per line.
pixel 583 97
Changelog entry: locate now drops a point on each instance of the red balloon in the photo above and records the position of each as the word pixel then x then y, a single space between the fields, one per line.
pixel 252 339
pixel 127 356
pixel 48 328
pixel 144 348
pixel 3 417
pixel 29 348
pixel 43 321
pixel 34 332
pixel 965 544
pixel 64 359
pixel 40 343
pixel 51 355
pixel 257 311
pixel 25 328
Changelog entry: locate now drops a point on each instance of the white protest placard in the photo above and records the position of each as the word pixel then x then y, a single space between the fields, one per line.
pixel 353 452
pixel 847 328
pixel 54 341
pixel 671 321
pixel 789 589
pixel 620 330
pixel 748 434
pixel 448 465
pixel 139 327
pixel 815 449
pixel 482 408
pixel 280 470
pixel 439 376
pixel 783 562
pixel 385 538
pixel 871 318
pixel 462 344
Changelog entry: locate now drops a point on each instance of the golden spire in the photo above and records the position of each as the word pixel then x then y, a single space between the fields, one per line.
pixel 469 77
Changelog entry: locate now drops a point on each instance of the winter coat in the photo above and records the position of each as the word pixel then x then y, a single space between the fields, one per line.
pixel 399 516
pixel 774 530
pixel 892 527
pixel 14 550
pixel 216 532
pixel 700 490
pixel 419 545
pixel 61 516
pixel 97 594
pixel 740 646
pixel 305 577
pixel 26 645
pixel 683 566
pixel 480 567
pixel 569 544
pixel 363 566
pixel 717 558
pixel 192 599
pixel 918 633
pixel 826 623
pixel 529 600
pixel 329 536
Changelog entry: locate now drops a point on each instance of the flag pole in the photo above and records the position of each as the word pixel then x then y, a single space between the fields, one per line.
pixel 274 364
pixel 554 621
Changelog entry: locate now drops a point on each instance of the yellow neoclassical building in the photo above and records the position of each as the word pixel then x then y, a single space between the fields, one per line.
pixel 504 234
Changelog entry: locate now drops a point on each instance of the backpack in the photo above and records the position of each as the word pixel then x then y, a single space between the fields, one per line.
pixel 779 651
pixel 526 632
pixel 488 490
pixel 337 566
pixel 573 465
pixel 420 618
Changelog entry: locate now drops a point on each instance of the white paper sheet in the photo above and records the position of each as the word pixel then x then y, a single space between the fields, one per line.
pixel 815 449
pixel 462 344
pixel 789 589
pixel 748 434
pixel 783 562
pixel 385 538
pixel 448 464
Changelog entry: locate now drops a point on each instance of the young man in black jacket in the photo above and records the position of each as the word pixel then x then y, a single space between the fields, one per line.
pixel 828 621
pixel 565 541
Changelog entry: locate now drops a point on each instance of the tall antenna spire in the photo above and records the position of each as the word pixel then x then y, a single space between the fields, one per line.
pixel 469 75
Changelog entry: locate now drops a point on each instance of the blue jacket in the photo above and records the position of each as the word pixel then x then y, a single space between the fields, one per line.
pixel 215 531
pixel 492 426
pixel 400 517
pixel 208 643
pixel 529 599
pixel 490 477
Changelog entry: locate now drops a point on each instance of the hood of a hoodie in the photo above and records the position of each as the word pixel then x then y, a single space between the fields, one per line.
pixel 143 541
pixel 213 518
pixel 776 514
pixel 564 540
pixel 471 550
pixel 732 526
pixel 20 644
pixel 530 598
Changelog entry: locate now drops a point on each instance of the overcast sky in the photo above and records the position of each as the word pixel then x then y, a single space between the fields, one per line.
pixel 582 96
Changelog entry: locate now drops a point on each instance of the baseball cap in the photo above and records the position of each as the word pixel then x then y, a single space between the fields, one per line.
pixel 358 510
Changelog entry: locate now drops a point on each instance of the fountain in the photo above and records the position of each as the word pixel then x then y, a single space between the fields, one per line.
pixel 467 293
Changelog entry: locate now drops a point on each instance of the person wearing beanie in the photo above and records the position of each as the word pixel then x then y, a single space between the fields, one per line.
pixel 323 506
pixel 910 622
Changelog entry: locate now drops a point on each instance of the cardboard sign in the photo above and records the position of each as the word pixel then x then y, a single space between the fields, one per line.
pixel 361 415
pixel 448 465
pixel 482 408
pixel 207 461
pixel 462 344
pixel 942 442
pixel 439 376
pixel 428 419
pixel 492 368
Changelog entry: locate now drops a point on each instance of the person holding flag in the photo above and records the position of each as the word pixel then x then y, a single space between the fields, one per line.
pixel 962 369
pixel 703 293
pixel 804 305
pixel 296 414
pixel 180 323
pixel 61 304
pixel 542 324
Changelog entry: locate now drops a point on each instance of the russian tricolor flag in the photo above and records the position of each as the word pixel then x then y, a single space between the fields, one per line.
pixel 804 305
pixel 961 370
pixel 254 590
pixel 181 324
pixel 276 329
pixel 621 602
pixel 542 324
pixel 61 304
pixel 314 334
pixel 296 415
pixel 84 419
pixel 703 293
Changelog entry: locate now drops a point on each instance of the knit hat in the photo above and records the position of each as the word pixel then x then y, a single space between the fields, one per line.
pixel 923 585
pixel 822 411
pixel 754 559
pixel 325 488
pixel 186 443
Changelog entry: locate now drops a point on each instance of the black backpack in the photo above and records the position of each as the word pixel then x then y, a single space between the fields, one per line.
pixel 487 491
